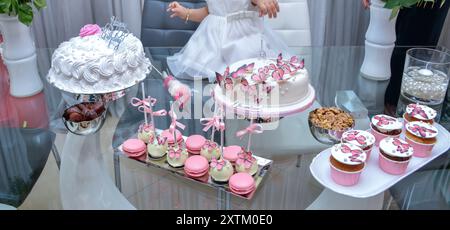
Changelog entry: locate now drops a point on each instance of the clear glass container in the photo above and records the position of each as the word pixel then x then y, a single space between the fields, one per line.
pixel 425 79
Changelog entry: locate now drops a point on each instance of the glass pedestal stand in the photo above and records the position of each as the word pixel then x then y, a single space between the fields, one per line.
pixel 84 179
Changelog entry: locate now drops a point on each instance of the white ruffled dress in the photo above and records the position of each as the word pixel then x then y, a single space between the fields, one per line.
pixel 232 31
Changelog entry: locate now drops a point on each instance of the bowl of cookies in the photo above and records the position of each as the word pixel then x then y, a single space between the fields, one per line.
pixel 85 118
pixel 328 124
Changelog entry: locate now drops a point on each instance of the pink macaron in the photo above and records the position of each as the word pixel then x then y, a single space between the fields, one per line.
pixel 170 138
pixel 230 153
pixel 134 148
pixel 194 144
pixel 196 166
pixel 242 183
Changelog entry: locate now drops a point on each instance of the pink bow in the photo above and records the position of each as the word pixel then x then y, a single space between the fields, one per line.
pixel 353 137
pixel 401 147
pixel 421 130
pixel 213 121
pixel 383 120
pixel 136 102
pixel 417 110
pixel 253 128
pixel 175 154
pixel 145 109
pixel 175 123
pixel 246 159
pixel 355 153
pixel 219 164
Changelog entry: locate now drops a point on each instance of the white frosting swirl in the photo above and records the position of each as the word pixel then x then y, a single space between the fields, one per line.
pixel 87 65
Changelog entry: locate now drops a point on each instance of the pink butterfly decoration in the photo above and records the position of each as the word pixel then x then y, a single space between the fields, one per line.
pixel 417 110
pixel 382 120
pixel 161 140
pixel 259 78
pixel 246 87
pixel 280 59
pixel 242 70
pixel 421 130
pixel 355 153
pixel 219 164
pixel 210 145
pixel 226 82
pixel 272 67
pixel 286 69
pixel 246 159
pixel 175 154
pixel 401 147
pixel 278 74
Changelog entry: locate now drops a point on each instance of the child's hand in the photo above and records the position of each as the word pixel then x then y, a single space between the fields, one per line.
pixel 267 7
pixel 177 10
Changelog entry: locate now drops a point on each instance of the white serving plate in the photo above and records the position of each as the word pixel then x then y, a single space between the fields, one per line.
pixel 373 179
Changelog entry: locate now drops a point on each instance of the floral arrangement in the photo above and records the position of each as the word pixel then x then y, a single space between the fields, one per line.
pixel 397 5
pixel 21 8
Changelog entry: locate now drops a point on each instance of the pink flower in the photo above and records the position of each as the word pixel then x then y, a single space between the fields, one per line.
pixel 90 29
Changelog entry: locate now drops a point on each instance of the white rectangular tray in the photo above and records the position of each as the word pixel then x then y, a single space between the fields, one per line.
pixel 374 180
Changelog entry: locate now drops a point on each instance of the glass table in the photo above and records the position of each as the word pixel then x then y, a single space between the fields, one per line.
pixel 94 175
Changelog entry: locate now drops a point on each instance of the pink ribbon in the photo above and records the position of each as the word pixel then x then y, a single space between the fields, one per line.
pixel 213 121
pixel 145 109
pixel 253 128
pixel 175 123
pixel 136 102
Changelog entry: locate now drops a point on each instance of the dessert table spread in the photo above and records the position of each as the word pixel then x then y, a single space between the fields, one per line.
pixel 86 181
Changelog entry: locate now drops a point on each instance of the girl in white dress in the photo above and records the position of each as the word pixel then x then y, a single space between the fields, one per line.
pixel 230 31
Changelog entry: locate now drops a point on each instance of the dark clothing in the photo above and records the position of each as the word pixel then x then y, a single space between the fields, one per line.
pixel 416 26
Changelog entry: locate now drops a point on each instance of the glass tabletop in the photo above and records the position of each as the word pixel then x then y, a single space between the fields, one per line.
pixel 289 184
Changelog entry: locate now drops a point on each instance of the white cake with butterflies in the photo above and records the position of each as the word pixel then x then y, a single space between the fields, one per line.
pixel 99 60
pixel 265 83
